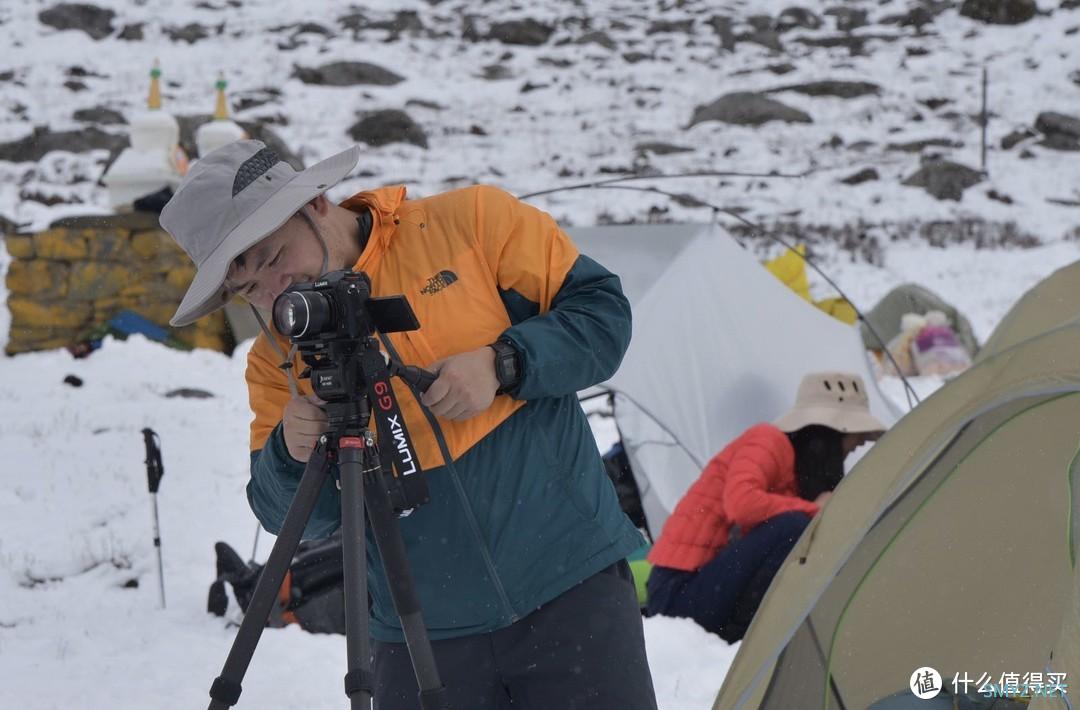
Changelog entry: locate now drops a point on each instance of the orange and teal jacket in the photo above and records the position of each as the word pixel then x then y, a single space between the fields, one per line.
pixel 521 509
pixel 751 480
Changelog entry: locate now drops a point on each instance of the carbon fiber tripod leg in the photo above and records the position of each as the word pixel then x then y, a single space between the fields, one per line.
pixel 226 689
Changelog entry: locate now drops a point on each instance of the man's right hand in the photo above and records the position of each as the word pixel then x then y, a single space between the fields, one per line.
pixel 302 423
pixel 820 500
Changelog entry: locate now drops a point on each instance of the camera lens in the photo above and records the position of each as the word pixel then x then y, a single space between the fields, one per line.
pixel 299 313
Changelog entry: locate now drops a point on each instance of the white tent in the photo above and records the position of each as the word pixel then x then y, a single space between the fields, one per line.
pixel 638 253
pixel 719 344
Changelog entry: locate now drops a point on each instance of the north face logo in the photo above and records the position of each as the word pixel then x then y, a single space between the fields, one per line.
pixel 438 282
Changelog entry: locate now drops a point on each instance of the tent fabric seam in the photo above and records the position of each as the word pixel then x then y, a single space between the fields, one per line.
pixel 915 514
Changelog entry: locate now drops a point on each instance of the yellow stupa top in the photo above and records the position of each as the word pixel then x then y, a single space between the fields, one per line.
pixel 154 101
pixel 221 108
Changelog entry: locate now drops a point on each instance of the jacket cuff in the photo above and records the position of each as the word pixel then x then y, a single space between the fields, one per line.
pixel 280 458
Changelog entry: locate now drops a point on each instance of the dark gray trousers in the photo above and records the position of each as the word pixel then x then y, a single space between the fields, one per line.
pixel 583 649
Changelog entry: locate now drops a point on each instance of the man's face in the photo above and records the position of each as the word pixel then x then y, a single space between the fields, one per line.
pixel 288 256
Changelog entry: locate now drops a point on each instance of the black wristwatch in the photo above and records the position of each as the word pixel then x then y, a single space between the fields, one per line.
pixel 507 365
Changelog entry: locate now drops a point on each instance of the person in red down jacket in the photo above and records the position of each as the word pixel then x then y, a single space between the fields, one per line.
pixel 728 536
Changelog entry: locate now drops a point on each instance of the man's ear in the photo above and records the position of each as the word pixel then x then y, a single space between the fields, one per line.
pixel 320 204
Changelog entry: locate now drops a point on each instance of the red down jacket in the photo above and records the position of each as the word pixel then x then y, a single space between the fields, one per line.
pixel 749 481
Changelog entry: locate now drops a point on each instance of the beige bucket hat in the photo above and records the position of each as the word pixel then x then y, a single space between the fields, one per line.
pixel 834 399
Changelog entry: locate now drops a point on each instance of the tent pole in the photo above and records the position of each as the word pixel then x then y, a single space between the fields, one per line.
pixel 687 200
pixel 255 545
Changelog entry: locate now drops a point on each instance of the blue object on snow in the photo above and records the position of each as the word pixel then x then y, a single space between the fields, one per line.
pixel 129 323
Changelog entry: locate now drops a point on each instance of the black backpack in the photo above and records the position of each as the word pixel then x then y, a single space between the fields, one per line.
pixel 618 469
pixel 311 595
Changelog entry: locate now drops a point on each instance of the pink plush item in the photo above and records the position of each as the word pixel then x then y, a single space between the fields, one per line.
pixel 936 350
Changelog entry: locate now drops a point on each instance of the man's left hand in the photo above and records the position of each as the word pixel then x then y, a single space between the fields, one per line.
pixel 465 386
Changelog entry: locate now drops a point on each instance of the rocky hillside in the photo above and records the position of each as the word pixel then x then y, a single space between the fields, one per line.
pixel 875 105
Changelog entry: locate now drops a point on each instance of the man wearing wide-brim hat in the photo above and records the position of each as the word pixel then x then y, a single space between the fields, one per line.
pixel 518 558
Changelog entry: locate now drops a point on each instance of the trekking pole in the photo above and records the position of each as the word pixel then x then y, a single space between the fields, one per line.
pixel 154 472
pixel 255 545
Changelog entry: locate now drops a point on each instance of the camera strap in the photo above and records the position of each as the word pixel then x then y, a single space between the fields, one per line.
pixel 394 439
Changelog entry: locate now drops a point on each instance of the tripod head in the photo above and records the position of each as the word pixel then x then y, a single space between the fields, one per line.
pixel 334 322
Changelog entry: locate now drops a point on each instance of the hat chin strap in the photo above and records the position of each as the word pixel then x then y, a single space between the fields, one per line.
pixel 287 358
pixel 319 238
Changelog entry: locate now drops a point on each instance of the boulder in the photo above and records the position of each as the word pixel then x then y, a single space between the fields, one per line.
pixel 745 108
pixel 944 180
pixel 526 32
pixel 864 175
pixel 388 126
pixel 132 32
pixel 91 19
pixel 99 114
pixel 190 33
pixel 33 147
pixel 347 74
pixel 830 87
pixel 1060 131
pixel 794 17
pixel 601 38
pixel 999 12
pixel 847 18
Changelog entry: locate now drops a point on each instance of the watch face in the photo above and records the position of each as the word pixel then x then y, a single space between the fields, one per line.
pixel 507 369
pixel 506 364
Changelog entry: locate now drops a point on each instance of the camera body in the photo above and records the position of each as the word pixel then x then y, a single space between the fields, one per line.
pixel 331 320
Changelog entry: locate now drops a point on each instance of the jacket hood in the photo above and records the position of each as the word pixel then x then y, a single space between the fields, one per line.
pixel 383 203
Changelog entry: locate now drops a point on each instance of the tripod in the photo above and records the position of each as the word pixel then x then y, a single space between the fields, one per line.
pixel 363 483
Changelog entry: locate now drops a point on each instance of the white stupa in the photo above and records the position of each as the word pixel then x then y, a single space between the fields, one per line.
pixel 154 160
pixel 221 130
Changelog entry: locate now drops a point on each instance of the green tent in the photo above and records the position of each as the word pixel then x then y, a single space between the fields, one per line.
pixel 1053 301
pixel 885 317
pixel 953 543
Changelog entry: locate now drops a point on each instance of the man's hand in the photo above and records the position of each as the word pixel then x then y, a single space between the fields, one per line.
pixel 303 423
pixel 820 500
pixel 465 385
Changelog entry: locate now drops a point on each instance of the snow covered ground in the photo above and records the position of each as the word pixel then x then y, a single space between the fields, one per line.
pixel 77 528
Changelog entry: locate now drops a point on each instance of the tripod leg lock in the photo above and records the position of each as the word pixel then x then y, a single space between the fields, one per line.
pixel 225 691
pixel 359 680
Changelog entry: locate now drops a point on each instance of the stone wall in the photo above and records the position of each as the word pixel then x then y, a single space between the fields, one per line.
pixel 75 276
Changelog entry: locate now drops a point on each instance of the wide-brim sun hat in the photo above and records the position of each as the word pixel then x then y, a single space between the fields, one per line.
pixel 232 199
pixel 837 400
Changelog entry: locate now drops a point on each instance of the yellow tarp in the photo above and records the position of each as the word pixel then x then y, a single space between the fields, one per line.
pixel 790 268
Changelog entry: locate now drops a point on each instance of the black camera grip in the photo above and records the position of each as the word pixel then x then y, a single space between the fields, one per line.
pixel 418 377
